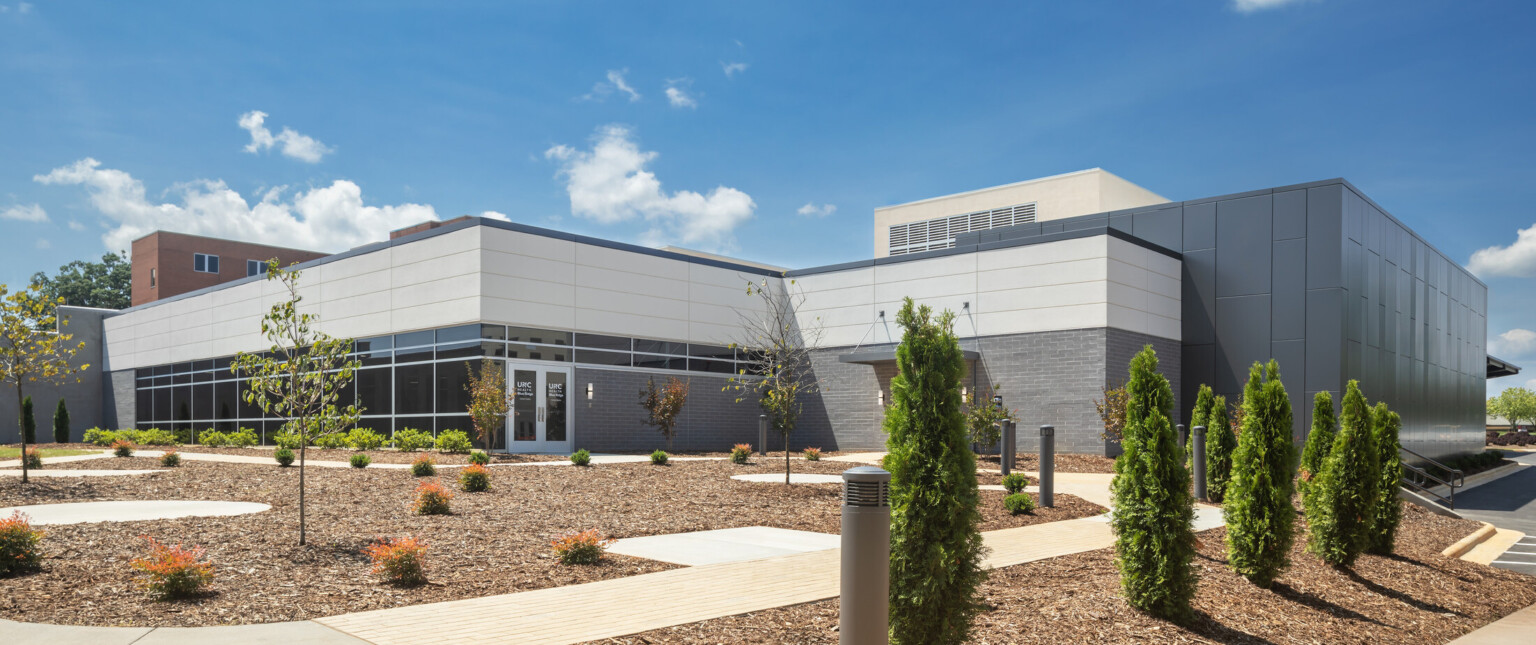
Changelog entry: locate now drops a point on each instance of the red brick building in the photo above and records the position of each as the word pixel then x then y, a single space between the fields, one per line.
pixel 169 264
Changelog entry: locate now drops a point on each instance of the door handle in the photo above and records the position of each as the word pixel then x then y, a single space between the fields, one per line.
pixel 541 414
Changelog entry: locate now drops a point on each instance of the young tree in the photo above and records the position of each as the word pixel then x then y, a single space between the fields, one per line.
pixel 936 549
pixel 1260 519
pixel 1154 508
pixel 28 422
pixel 1515 404
pixel 1346 490
pixel 61 423
pixel 105 284
pixel 1319 442
pixel 301 377
pixel 779 351
pixel 34 347
pixel 983 417
pixel 1220 443
pixel 1111 410
pixel 1385 425
pixel 663 404
pixel 488 400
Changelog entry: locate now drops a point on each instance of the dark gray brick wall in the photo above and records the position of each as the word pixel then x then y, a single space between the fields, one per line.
pixel 82 393
pixel 614 421
pixel 120 410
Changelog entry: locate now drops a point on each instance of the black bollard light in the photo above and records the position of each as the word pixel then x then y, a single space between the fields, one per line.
pixel 1047 466
pixel 1199 448
pixel 762 434
pixel 1010 445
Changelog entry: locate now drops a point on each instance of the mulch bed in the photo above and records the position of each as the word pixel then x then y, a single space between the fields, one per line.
pixel 107 463
pixel 495 542
pixel 1414 597
pixel 1065 463
pixel 377 456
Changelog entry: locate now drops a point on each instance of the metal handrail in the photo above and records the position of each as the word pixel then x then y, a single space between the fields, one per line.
pixel 1421 484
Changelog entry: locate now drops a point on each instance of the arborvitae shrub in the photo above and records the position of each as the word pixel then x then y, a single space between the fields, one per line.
pixel 1015 482
pixel 1200 415
pixel 61 423
pixel 1220 443
pixel 1018 503
pixel 1319 442
pixel 1260 518
pixel 1389 509
pixel 936 550
pixel 1346 491
pixel 28 422
pixel 1154 507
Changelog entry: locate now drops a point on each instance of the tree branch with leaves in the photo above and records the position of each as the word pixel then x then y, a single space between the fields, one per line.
pixel 488 400
pixel 779 352
pixel 301 377
pixel 663 405
pixel 34 347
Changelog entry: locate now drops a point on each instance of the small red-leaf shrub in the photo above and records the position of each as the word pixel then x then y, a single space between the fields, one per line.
pixel 173 572
pixel 33 458
pixel 740 452
pixel 585 547
pixel 122 448
pixel 813 454
pixel 170 459
pixel 401 562
pixel 475 479
pixel 18 544
pixel 432 499
pixel 423 466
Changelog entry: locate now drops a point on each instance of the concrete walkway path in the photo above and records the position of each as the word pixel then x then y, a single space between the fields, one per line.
pixel 292 633
pixel 1518 628
pixel 16 463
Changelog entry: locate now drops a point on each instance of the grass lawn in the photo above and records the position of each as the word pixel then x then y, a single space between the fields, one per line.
pixel 12 452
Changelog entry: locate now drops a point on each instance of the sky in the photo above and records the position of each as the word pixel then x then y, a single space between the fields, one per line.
pixel 767 131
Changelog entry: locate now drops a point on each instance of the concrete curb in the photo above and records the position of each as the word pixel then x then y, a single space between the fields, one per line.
pixel 1493 547
pixel 1462 546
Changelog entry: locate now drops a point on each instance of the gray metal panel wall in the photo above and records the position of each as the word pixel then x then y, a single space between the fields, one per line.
pixel 82 393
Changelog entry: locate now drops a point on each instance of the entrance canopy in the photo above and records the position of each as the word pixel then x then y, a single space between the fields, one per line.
pixel 1498 367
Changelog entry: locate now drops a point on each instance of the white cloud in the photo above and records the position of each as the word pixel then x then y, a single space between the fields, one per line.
pixel 42 244
pixel 295 145
pixel 678 96
pixel 609 184
pixel 25 213
pixel 1250 6
pixel 1513 343
pixel 24 8
pixel 329 218
pixel 76 226
pixel 1516 260
pixel 732 69
pixel 810 209
pixel 615 82
pixel 495 215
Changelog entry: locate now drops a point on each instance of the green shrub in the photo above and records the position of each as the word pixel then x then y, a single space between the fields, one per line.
pixel 284 456
pixel 936 549
pixel 212 438
pixel 1319 442
pixel 1340 517
pixel 475 479
pixel 33 458
pixel 1154 544
pixel 1388 512
pixel 61 423
pixel 360 460
pixel 100 437
pixel 331 440
pixel 423 466
pixel 170 459
pixel 453 441
pixel 1015 482
pixel 122 448
pixel 432 499
pixel 1017 503
pixel 812 454
pixel 150 437
pixel 243 438
pixel 1260 518
pixel 411 440
pixel 18 544
pixel 364 439
pixel 586 547
pixel 1200 415
pixel 659 457
pixel 289 440
pixel 581 457
pixel 28 422
pixel 1220 443
pixel 740 453
pixel 479 457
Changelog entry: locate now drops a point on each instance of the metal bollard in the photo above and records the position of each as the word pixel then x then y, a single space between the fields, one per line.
pixel 1010 445
pixel 762 434
pixel 1199 448
pixel 864 608
pixel 1183 436
pixel 1047 466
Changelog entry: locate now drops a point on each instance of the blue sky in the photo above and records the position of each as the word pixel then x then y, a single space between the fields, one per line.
pixel 714 125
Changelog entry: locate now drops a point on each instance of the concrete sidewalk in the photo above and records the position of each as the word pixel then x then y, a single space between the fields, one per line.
pixel 1518 628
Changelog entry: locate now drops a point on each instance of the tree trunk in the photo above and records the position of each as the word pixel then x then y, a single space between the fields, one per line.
pixel 21 431
pixel 303 443
pixel 786 459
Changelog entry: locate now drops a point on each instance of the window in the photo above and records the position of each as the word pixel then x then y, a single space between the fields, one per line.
pixel 204 263
pixel 252 267
pixel 154 277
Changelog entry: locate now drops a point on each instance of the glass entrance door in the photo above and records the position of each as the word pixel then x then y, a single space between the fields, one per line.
pixel 539 419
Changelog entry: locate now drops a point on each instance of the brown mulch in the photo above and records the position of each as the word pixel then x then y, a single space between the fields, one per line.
pixel 1065 463
pixel 1414 597
pixel 387 456
pixel 495 542
pixel 107 463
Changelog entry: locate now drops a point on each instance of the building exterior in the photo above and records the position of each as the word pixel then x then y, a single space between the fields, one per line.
pixel 1315 275
pixel 169 264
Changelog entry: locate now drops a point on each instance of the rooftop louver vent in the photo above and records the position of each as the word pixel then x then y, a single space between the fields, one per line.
pixel 940 233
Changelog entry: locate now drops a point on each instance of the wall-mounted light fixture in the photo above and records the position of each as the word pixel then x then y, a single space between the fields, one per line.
pixel 589 391
pixel 964 393
pixel 880 397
